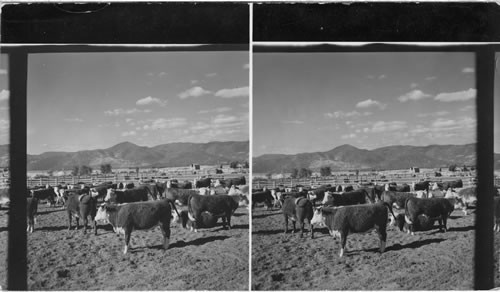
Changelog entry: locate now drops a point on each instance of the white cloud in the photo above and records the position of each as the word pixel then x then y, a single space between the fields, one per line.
pixel 194 81
pixel 234 92
pixel 430 78
pixel 120 112
pixel 4 94
pixel 382 126
pixel 413 85
pixel 196 91
pixel 163 123
pixel 370 103
pixel 435 114
pixel 448 124
pixel 223 119
pixel 211 74
pixel 127 134
pixel 413 95
pixel 456 96
pixel 200 126
pixel 3 71
pixel 370 77
pixel 295 122
pixel 468 107
pixel 468 70
pixel 151 100
pixel 383 76
pixel 216 110
pixel 74 120
pixel 162 74
pixel 348 136
pixel 341 114
pixel 246 66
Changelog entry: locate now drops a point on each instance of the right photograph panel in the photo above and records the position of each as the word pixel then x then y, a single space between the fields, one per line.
pixel 378 151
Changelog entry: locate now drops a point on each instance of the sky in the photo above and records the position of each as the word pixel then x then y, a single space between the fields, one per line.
pixel 4 100
pixel 308 102
pixel 83 101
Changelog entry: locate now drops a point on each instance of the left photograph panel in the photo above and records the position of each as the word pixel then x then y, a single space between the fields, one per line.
pixel 136 162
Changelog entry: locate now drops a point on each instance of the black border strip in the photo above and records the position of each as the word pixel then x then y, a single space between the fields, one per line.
pixel 17 269
pixel 375 22
pixel 126 23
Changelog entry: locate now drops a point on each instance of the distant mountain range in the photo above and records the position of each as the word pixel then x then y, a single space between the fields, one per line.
pixel 127 154
pixel 347 157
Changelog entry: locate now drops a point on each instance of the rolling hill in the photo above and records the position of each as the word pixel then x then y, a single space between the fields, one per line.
pixel 127 154
pixel 347 157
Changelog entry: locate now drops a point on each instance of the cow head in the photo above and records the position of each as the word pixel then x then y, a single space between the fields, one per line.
pixel 318 218
pixel 102 214
pixel 328 196
pixel 110 195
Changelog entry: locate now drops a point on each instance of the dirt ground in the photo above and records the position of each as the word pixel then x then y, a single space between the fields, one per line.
pixel 429 260
pixel 58 259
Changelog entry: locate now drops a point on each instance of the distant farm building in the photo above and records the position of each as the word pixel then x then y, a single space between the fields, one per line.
pixel 195 166
pixel 415 170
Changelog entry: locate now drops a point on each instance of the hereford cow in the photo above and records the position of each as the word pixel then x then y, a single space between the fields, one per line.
pixel 81 206
pixel 138 216
pixel 207 220
pixel 298 209
pixel 343 220
pixel 233 181
pixel 359 196
pixel 202 183
pixel 434 208
pixel 218 205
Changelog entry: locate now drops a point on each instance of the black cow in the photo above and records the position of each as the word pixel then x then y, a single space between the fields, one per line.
pixel 348 188
pixel 179 196
pixel 421 186
pixel 318 194
pixel 453 184
pixel 233 181
pixel 44 194
pixel 354 219
pixel 399 188
pixel 263 197
pixel 82 206
pixel 434 208
pixel 100 192
pixel 138 216
pixel 203 183
pixel 126 196
pixel 298 209
pixel 423 223
pixel 152 190
pixel 31 211
pixel 294 194
pixel 359 196
pixel 218 205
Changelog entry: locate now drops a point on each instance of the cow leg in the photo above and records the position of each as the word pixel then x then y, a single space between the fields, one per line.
pixel 301 229
pixel 293 224
pixel 343 241
pixel 128 232
pixel 286 224
pixel 165 230
pixel 229 220
pixel 85 222
pixel 382 234
pixel 311 228
pixel 94 223
pixel 444 223
pixel 77 223
pixel 69 221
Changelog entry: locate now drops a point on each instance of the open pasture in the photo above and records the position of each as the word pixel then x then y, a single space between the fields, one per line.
pixel 58 259
pixel 429 260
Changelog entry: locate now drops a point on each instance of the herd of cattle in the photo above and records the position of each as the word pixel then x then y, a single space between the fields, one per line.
pixel 130 207
pixel 360 208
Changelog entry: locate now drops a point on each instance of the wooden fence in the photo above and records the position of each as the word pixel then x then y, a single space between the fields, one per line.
pixel 55 180
pixel 350 180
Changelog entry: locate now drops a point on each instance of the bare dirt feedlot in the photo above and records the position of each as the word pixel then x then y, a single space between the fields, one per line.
pixel 429 260
pixel 58 259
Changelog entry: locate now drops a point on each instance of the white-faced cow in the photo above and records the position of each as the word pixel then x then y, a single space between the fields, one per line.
pixel 138 216
pixel 343 220
pixel 434 208
pixel 126 196
pixel 179 196
pixel 218 205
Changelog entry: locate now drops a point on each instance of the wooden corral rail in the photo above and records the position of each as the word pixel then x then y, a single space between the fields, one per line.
pixel 55 180
pixel 344 181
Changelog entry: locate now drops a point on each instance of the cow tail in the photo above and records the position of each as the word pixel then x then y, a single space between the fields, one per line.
pixel 173 206
pixel 190 209
pixel 407 215
pixel 150 192
pixel 390 209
